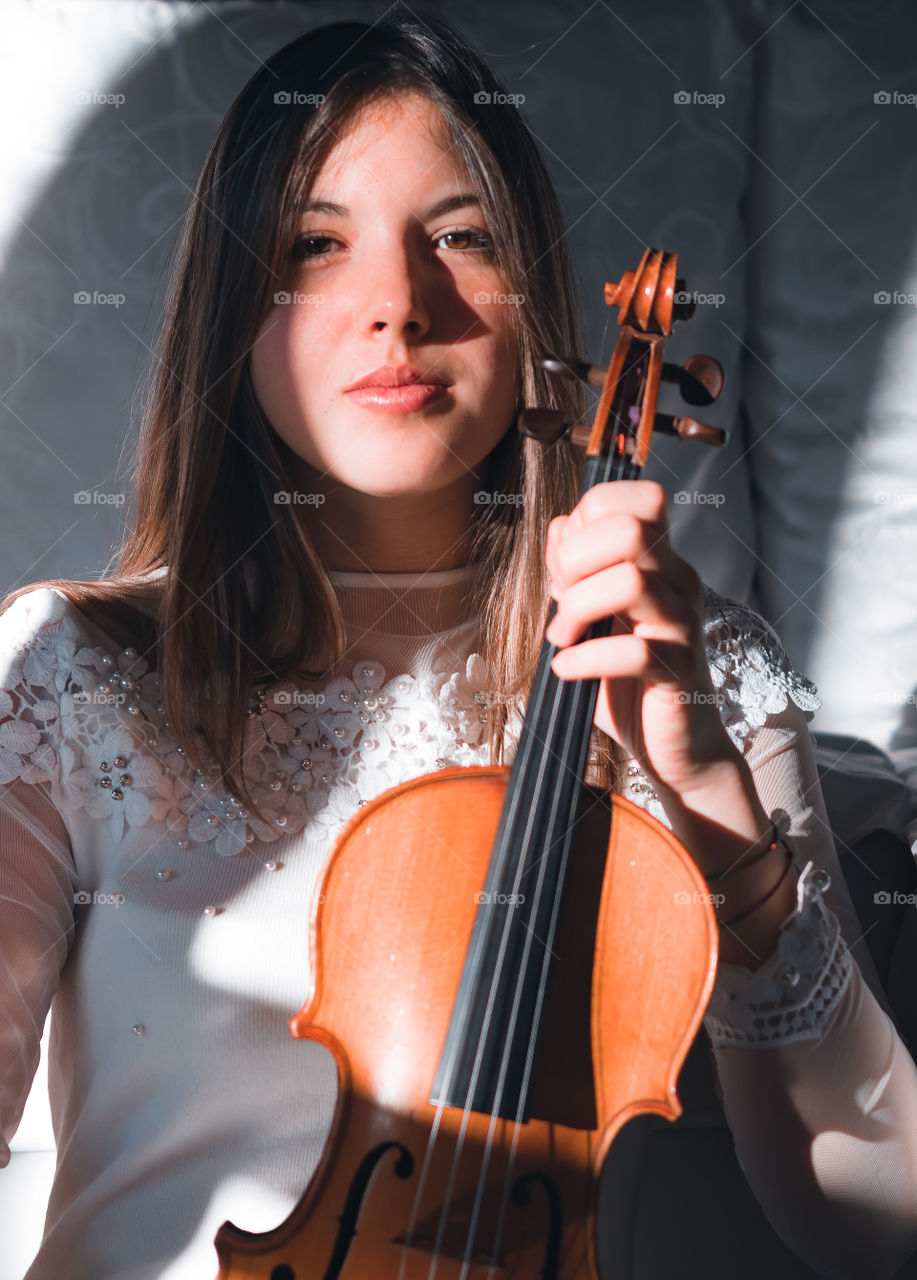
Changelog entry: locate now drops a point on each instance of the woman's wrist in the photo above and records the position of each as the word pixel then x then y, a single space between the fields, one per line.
pixel 722 823
pixel 719 818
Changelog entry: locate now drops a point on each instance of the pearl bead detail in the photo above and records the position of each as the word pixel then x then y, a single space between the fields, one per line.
pixel 138 1029
pixel 818 880
pixel 342 734
pixel 164 874
pixel 210 911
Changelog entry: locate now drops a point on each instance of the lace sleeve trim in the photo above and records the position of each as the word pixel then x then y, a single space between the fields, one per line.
pixel 749 667
pixel 793 995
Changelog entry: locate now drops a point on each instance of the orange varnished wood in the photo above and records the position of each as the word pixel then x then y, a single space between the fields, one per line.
pixel 645 297
pixel 648 408
pixel 597 439
pixel 389 935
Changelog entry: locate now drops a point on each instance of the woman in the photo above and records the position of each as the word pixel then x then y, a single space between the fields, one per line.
pixel 315 602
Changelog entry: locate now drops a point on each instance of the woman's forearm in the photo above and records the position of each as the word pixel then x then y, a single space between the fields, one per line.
pixel 723 825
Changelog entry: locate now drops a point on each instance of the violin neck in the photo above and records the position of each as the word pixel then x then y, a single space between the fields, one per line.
pixel 487 1059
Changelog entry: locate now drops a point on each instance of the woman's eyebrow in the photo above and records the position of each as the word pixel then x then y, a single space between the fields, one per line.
pixel 459 201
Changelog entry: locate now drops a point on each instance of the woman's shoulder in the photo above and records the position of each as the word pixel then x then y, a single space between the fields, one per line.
pixel 73 701
pixel 58 612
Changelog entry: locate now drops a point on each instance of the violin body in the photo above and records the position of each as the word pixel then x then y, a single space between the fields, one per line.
pixel 402 1180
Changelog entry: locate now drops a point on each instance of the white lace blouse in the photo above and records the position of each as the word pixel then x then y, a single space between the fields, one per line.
pixel 166 929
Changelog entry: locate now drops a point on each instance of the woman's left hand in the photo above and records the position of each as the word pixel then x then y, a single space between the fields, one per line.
pixel 612 556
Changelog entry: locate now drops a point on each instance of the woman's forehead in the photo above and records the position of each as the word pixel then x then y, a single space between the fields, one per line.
pixel 406 120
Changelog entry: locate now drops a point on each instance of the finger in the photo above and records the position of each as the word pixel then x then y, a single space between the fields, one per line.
pixel 643 498
pixel 611 540
pixel 629 593
pixel 654 661
pixel 555 528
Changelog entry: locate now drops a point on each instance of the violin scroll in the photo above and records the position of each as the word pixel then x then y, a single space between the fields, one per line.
pixel 649 300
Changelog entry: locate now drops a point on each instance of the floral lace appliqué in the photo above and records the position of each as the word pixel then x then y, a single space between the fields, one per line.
pixel 90 724
pixel 749 668
pixel 313 755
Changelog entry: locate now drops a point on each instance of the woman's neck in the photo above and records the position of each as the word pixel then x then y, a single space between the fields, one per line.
pixel 405 604
pixel 403 533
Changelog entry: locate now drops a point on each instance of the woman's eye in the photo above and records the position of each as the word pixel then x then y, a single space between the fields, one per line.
pixel 312 247
pixel 309 247
pixel 467 238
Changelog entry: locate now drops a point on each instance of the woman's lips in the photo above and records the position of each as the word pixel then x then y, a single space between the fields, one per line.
pixel 404 399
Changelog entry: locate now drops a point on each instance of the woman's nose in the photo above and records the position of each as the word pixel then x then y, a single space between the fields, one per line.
pixel 395 301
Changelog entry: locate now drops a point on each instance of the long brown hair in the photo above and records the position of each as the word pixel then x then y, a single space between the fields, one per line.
pixel 244 597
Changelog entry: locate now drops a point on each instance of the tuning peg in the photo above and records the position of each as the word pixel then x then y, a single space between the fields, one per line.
pixel 549 425
pixel 546 425
pixel 700 381
pixel 571 367
pixel 689 429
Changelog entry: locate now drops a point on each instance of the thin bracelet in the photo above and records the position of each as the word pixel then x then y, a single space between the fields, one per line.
pixel 775 838
pixel 770 893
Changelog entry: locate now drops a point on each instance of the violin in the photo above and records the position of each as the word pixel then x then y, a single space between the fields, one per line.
pixel 508 965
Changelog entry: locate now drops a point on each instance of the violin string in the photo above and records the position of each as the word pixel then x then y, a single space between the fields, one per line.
pixel 538 699
pixel 539 1000
pixel 550 824
pixel 495 983
pixel 577 696
pixel 528 748
pixel 523 970
pixel 626 470
pixel 476 961
pixel 530 1055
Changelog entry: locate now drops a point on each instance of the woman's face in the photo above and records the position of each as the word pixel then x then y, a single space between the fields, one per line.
pixel 391 269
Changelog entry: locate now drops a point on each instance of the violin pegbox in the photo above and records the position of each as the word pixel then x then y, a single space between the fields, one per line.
pixel 648 304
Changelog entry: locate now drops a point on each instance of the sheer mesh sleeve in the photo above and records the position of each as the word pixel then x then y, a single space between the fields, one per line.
pixel 38 879
pixel 825 1125
pixel 38 891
